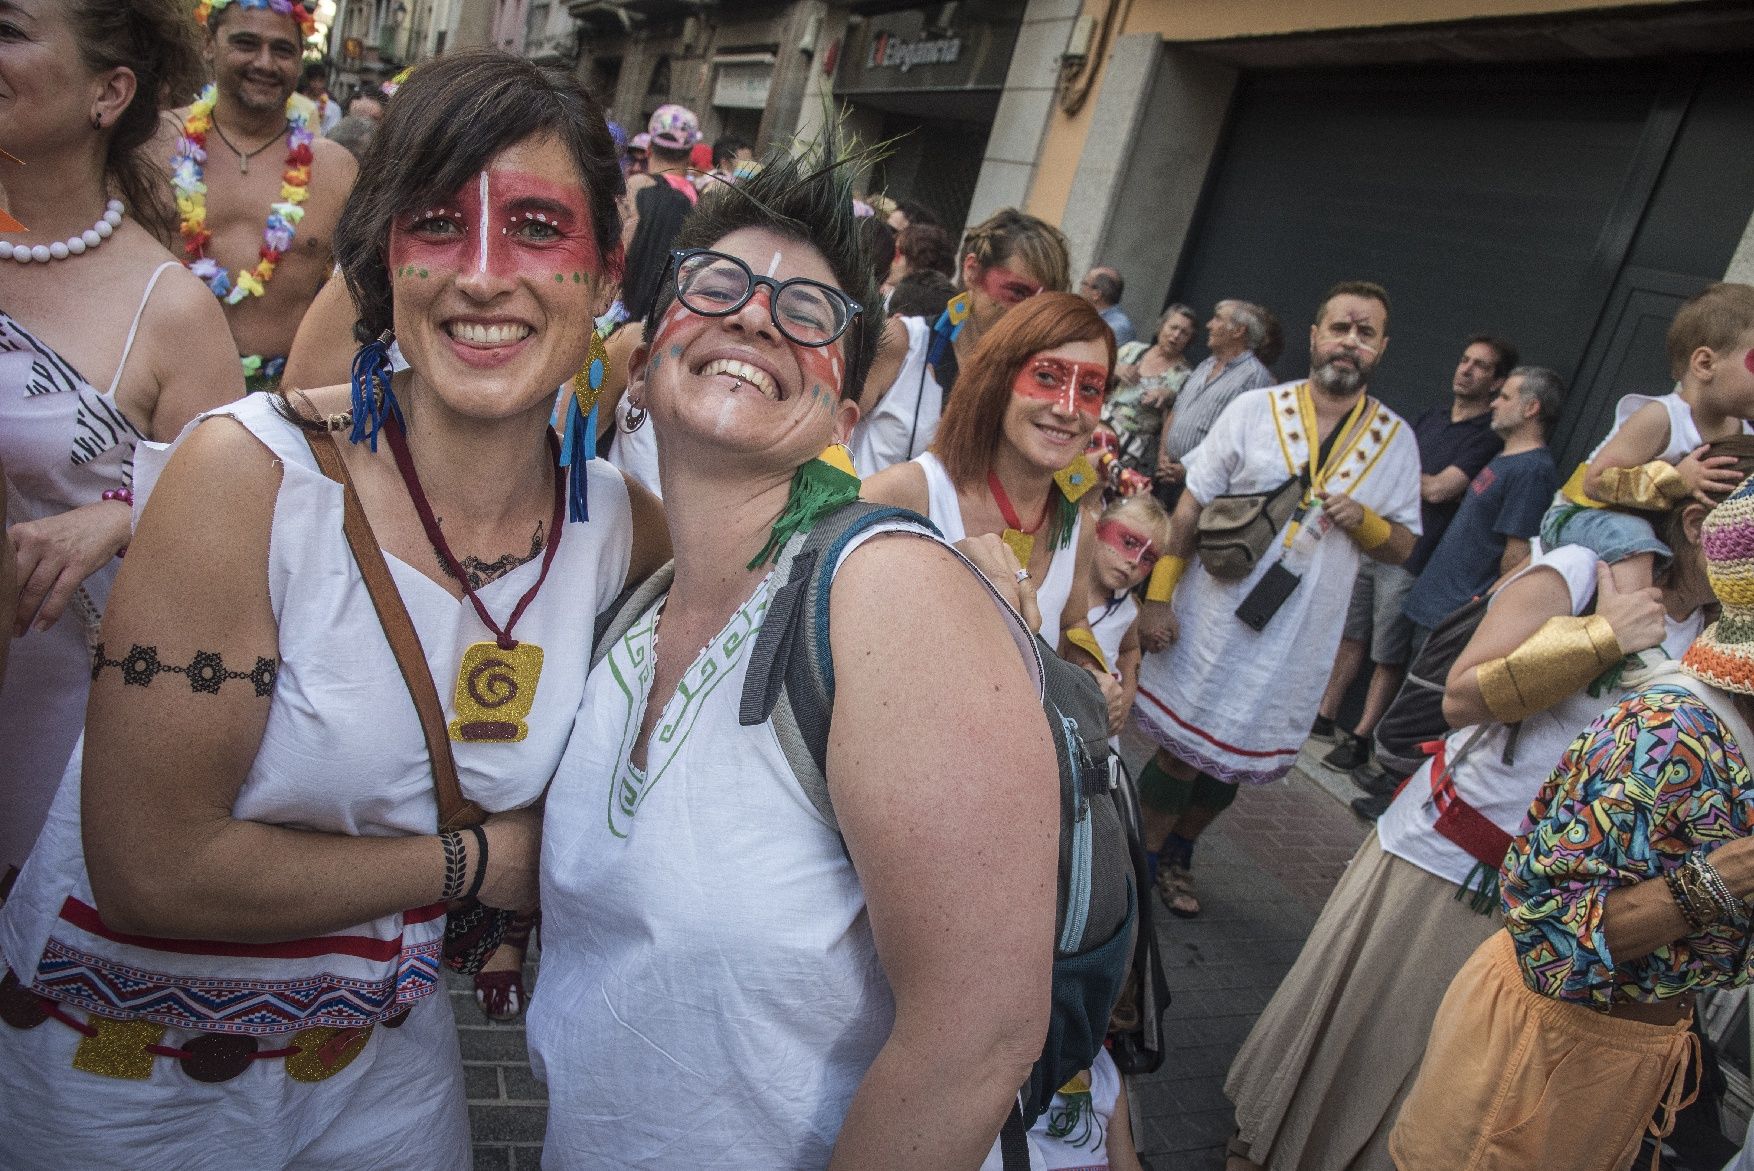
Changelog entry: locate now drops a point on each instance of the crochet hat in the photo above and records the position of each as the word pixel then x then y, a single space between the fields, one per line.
pixel 674 127
pixel 1723 655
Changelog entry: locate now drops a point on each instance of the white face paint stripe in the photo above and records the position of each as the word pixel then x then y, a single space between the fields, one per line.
pixel 773 265
pixel 481 261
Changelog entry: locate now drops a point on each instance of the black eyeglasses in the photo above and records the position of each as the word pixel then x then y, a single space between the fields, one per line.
pixel 808 312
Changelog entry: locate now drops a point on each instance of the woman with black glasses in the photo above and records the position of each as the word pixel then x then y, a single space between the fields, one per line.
pixel 733 974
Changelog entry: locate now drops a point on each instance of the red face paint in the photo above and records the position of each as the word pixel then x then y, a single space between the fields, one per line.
pixel 1073 387
pixel 1748 361
pixel 1005 286
pixel 1128 542
pixel 513 225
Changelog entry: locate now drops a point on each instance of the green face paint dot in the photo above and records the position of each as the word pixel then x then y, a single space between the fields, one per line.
pixel 423 274
pixel 578 278
pixel 560 278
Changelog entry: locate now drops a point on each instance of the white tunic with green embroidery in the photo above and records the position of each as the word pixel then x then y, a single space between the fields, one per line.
pixel 711 995
pixel 710 992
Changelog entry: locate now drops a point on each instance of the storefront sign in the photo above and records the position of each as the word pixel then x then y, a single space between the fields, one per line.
pixel 742 85
pixel 917 50
pixel 891 52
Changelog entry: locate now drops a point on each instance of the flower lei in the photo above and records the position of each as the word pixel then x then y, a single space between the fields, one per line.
pixel 307 20
pixel 283 214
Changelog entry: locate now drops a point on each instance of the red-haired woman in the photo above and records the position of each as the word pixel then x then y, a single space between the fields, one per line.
pixel 1008 456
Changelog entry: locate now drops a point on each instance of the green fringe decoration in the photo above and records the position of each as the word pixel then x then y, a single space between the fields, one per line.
pixel 1608 682
pixel 818 487
pixel 1065 516
pixel 1480 889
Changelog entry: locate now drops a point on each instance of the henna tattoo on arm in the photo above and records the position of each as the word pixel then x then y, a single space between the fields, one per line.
pixel 206 672
pixel 481 572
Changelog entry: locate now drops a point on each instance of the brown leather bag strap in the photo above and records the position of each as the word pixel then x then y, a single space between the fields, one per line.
pixel 455 811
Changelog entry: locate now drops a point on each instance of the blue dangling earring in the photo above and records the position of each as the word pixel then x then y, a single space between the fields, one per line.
pixel 373 399
pixel 581 428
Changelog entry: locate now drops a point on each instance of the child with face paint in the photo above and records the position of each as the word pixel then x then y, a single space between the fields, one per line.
pixel 1655 454
pixel 1131 535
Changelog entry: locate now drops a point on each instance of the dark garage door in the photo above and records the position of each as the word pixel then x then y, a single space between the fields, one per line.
pixel 1569 207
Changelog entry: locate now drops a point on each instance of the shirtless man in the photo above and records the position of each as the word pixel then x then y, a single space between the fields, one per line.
pixel 254 47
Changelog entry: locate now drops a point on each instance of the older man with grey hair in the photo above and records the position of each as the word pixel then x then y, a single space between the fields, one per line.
pixel 1103 287
pixel 1236 330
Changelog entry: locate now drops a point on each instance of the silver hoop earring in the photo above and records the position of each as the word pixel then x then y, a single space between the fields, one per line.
pixel 636 418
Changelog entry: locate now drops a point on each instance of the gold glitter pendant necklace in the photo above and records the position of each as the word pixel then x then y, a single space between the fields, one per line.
pixel 496 681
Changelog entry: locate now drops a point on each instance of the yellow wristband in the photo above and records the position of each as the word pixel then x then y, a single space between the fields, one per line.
pixel 1559 659
pixel 1164 576
pixel 1652 487
pixel 1372 531
pixel 1084 640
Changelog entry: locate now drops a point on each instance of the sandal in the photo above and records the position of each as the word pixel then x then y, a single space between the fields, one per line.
pixel 500 994
pixel 1175 885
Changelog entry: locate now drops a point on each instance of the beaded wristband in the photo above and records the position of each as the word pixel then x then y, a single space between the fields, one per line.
pixel 480 862
pixel 1729 906
pixel 456 865
pixel 1682 903
pixel 125 495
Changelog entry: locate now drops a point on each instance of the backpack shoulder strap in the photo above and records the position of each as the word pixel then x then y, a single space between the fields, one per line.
pixel 620 615
pixel 791 673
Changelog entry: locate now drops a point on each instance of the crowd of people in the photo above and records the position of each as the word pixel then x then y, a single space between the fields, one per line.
pixel 410 548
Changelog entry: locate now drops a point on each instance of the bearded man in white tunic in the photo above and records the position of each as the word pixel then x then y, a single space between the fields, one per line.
pixel 1227 703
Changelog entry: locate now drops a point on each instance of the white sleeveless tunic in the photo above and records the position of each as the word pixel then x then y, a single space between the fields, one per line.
pixel 63 443
pixel 1055 587
pixel 906 417
pixel 711 994
pixel 342 752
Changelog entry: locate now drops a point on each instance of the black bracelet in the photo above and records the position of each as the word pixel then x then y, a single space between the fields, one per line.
pixel 456 865
pixel 481 862
pixel 1683 903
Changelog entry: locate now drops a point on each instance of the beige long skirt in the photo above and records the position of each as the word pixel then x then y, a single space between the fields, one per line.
pixel 1319 1081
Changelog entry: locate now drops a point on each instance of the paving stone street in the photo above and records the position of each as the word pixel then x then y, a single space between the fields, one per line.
pixel 1264 871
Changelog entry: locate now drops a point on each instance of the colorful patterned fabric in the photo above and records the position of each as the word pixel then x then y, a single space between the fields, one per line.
pixel 1653 779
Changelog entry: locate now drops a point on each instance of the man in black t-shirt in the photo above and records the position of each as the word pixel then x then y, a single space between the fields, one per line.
pixel 1455 443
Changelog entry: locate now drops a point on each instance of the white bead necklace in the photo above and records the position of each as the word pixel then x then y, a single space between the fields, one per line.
pixel 72 245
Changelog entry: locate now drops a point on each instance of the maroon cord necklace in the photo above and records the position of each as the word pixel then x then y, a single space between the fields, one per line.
pixel 496 682
pixel 1021 540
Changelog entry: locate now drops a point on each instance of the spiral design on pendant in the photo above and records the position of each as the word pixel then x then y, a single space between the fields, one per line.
pixel 493 683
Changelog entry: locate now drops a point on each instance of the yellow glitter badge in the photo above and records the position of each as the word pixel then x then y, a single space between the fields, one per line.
pixel 495 691
pixel 958 309
pixel 1022 544
pixel 118 1048
pixel 1076 478
pixel 324 1052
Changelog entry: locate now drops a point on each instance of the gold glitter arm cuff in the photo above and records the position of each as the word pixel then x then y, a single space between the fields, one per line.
pixel 1164 576
pixel 1558 659
pixel 1372 531
pixel 1653 487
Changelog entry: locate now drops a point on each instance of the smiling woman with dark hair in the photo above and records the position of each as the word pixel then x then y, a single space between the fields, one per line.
pixel 235 914
pixel 734 974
